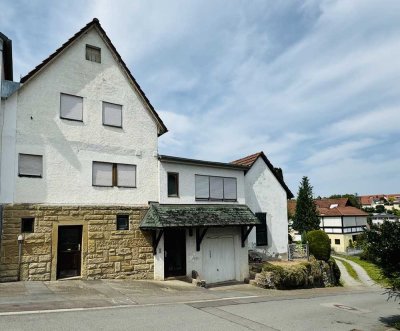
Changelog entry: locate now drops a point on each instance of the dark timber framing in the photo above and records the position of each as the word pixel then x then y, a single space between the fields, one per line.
pixel 156 239
pixel 245 231
pixel 199 237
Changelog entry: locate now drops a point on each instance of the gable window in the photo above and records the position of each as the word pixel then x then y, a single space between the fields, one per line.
pixel 337 241
pixel 261 230
pixel 122 222
pixel 71 107
pixel 30 165
pixel 113 174
pixel 93 53
pixel 215 188
pixel 173 184
pixel 27 224
pixel 112 114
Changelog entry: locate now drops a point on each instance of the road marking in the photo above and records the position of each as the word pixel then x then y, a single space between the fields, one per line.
pixel 64 310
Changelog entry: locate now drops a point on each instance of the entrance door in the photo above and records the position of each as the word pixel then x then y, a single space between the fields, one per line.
pixel 218 259
pixel 69 251
pixel 174 253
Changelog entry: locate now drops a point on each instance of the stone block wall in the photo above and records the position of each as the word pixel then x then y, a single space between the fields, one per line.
pixel 106 252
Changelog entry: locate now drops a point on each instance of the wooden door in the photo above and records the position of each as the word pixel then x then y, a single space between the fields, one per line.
pixel 69 251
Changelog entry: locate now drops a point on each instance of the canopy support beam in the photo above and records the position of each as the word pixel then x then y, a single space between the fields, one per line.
pixel 199 237
pixel 245 233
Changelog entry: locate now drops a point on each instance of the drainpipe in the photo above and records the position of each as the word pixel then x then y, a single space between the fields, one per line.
pixel 20 240
pixel 1 223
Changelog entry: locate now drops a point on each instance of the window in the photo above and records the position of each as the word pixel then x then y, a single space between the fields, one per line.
pixel 173 184
pixel 113 174
pixel 93 53
pixel 30 165
pixel 27 224
pixel 112 114
pixel 71 107
pixel 215 188
pixel 261 230
pixel 337 241
pixel 122 222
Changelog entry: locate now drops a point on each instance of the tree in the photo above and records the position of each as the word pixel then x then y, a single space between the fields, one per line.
pixel 353 199
pixel 383 248
pixel 380 209
pixel 306 217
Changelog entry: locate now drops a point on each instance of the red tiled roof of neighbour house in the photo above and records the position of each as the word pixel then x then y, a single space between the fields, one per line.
pixel 249 160
pixel 95 23
pixel 369 199
pixel 326 203
pixel 342 211
pixel 291 206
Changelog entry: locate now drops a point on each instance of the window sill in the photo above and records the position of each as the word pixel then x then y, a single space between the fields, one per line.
pixel 30 176
pixel 71 119
pixel 113 126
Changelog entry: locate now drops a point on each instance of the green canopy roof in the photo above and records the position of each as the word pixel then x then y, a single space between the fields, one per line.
pixel 199 215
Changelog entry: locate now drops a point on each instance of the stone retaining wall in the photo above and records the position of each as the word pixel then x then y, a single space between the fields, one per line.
pixel 106 252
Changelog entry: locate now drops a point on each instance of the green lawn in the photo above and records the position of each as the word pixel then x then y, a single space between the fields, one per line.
pixel 350 270
pixel 372 269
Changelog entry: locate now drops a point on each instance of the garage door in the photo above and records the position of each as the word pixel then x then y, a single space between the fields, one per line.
pixel 218 259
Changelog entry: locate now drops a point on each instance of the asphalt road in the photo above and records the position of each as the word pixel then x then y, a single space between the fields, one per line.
pixel 359 310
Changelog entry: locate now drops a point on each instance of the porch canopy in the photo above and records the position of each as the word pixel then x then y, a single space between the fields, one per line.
pixel 200 217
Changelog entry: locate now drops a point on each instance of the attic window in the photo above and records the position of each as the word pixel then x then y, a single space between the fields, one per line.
pixel 93 53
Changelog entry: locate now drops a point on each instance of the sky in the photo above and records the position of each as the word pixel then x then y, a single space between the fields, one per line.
pixel 314 84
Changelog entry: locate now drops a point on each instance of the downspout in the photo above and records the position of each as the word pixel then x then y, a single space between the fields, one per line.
pixel 1 224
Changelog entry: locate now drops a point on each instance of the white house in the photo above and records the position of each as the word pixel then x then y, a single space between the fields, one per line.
pixel 84 189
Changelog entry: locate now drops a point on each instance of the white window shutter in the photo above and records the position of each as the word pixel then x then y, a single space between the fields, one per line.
pixel 71 107
pixel 202 187
pixel 216 188
pixel 112 114
pixel 126 175
pixel 230 189
pixel 102 174
pixel 30 165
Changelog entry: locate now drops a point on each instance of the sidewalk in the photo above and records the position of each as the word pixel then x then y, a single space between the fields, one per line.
pixel 92 294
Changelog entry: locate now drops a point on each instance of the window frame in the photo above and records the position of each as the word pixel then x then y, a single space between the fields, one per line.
pixel 209 189
pixel 93 48
pixel 110 125
pixel 118 218
pixel 66 118
pixel 114 175
pixel 265 230
pixel 32 224
pixel 27 175
pixel 176 175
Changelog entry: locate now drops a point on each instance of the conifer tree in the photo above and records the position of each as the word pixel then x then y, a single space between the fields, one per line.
pixel 306 217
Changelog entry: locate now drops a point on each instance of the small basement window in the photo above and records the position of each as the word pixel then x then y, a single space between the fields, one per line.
pixel 93 53
pixel 112 114
pixel 27 224
pixel 337 241
pixel 122 222
pixel 30 165
pixel 173 184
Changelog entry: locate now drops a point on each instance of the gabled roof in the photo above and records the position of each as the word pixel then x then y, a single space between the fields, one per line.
pixel 198 215
pixel 96 24
pixel 327 203
pixel 249 160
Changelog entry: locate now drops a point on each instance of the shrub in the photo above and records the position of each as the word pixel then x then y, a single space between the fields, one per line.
pixel 319 244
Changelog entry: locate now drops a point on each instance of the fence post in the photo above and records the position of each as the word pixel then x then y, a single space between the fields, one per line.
pixel 308 252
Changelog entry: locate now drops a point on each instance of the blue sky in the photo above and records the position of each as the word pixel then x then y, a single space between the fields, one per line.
pixel 314 84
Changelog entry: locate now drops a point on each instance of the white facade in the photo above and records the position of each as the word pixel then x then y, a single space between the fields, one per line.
pixel 187 173
pixel 265 194
pixel 221 256
pixel 70 147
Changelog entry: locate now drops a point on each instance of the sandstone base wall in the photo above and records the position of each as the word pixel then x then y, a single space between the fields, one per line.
pixel 106 252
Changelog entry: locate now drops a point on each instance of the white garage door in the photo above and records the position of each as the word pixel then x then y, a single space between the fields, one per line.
pixel 218 259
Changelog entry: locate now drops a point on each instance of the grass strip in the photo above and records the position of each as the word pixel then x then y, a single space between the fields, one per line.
pixel 373 271
pixel 350 270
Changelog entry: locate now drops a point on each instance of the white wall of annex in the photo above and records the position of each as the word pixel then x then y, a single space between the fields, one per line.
pixel 187 182
pixel 69 147
pixel 265 194
pixel 8 139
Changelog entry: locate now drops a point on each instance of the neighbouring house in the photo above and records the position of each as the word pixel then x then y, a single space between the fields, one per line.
pixel 84 192
pixel 379 218
pixel 389 201
pixel 341 221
